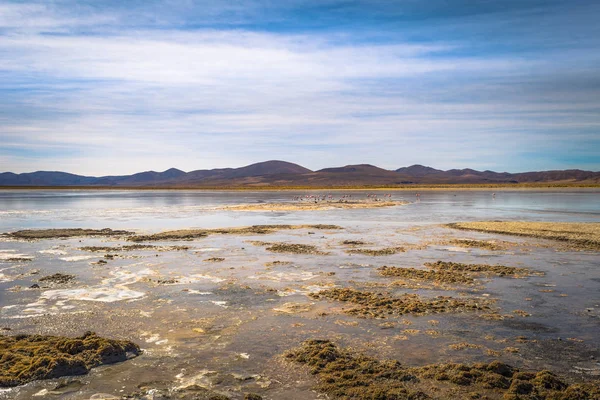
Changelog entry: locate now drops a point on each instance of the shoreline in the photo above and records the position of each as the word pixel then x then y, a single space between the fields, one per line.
pixel 440 187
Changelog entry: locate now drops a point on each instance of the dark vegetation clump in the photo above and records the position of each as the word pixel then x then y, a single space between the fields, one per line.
pixel 481 244
pixel 58 278
pixel 65 233
pixel 25 358
pixel 498 270
pixel 419 274
pixel 575 235
pixel 132 247
pixel 294 248
pixel 514 384
pixel 342 374
pixel 377 305
pixel 353 242
pixel 16 259
pixel 388 251
pixel 190 234
pixel 215 259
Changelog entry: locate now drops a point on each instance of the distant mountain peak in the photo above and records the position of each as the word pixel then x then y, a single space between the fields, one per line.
pixel 418 170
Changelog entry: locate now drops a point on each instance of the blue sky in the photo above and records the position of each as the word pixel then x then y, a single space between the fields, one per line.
pixel 115 87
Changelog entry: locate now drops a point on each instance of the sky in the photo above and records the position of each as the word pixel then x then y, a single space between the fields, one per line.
pixel 118 87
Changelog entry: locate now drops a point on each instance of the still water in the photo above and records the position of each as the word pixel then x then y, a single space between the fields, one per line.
pixel 224 325
pixel 158 210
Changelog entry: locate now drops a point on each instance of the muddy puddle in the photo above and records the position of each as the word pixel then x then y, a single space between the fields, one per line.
pixel 214 315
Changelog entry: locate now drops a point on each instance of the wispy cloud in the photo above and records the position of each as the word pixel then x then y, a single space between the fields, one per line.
pixel 100 88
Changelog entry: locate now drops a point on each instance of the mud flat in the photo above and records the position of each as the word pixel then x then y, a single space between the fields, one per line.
pixel 378 305
pixel 343 374
pixel 33 234
pixel 189 234
pixel 313 206
pixel 25 358
pixel 577 235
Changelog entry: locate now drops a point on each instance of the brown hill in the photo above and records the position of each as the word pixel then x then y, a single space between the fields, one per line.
pixel 280 173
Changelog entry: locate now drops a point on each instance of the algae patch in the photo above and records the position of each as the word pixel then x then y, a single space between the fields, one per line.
pixel 189 234
pixel 378 305
pixel 578 235
pixel 497 270
pixel 388 251
pixel 133 247
pixel 25 358
pixel 294 248
pixel 419 274
pixel 58 278
pixel 343 374
pixel 481 244
pixel 64 233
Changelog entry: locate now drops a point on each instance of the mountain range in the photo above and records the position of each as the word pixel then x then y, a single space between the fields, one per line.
pixel 282 173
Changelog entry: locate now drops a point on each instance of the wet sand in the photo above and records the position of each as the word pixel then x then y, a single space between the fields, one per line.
pixel 218 316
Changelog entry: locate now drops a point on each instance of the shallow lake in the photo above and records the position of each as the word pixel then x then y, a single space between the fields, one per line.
pixel 220 313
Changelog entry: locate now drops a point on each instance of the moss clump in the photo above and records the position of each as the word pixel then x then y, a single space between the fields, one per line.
pixel 343 375
pixel 189 234
pixel 388 251
pixel 377 305
pixel 24 358
pixel 294 248
pixel 353 242
pixel 497 270
pixel 58 278
pixel 481 244
pixel 132 247
pixel 64 233
pixel 419 274
pixel 578 235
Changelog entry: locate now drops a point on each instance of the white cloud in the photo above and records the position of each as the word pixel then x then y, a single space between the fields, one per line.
pixel 114 102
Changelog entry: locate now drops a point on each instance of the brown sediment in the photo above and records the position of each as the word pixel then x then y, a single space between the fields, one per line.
pixel 342 374
pixel 419 274
pixel 377 252
pixel 58 278
pixel 377 305
pixel 577 235
pixel 25 358
pixel 64 233
pixel 189 234
pixel 133 247
pixel 313 206
pixel 215 259
pixel 498 270
pixel 294 248
pixel 481 244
